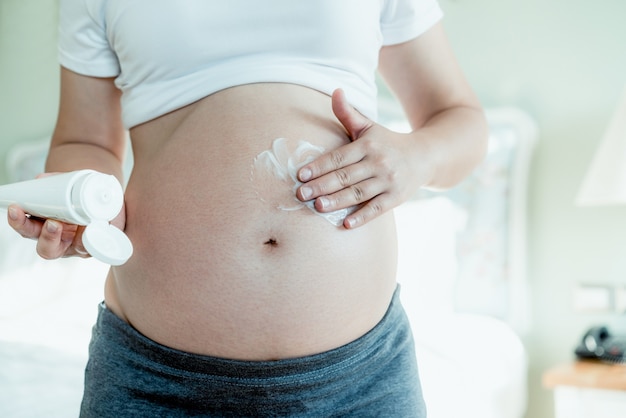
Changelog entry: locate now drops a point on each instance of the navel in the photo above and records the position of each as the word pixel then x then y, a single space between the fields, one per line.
pixel 272 242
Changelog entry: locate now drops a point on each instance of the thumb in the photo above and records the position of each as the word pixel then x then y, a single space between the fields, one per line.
pixel 354 122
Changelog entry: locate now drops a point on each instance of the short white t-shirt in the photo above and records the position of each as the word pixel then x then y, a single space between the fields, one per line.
pixel 166 54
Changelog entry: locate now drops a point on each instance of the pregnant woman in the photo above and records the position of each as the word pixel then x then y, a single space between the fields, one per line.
pixel 263 277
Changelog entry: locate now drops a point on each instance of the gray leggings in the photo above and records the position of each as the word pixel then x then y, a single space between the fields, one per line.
pixel 129 375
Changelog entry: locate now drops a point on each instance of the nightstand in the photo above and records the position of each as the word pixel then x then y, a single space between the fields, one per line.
pixel 588 389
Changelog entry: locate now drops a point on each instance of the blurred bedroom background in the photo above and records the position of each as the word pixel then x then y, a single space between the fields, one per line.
pixel 562 62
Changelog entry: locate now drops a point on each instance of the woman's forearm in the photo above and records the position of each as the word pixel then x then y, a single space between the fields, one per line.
pixel 70 156
pixel 455 142
pixel 89 132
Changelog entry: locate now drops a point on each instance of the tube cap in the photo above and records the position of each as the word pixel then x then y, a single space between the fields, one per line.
pixel 107 243
pixel 101 196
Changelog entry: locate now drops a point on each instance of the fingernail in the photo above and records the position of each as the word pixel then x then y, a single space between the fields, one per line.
pixel 305 174
pixel 306 192
pixel 13 214
pixel 324 202
pixel 52 226
pixel 351 222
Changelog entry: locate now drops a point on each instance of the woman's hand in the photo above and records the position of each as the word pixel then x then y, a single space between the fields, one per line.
pixel 377 170
pixel 381 169
pixel 54 238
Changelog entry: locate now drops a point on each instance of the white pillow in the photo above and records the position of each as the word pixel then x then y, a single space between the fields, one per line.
pixel 427 254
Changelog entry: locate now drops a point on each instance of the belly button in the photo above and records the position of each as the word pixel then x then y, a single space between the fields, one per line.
pixel 271 242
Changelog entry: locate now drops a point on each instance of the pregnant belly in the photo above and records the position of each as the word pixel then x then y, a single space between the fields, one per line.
pixel 227 262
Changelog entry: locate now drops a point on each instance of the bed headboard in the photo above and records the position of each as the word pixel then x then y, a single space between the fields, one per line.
pixel 492 248
pixel 464 249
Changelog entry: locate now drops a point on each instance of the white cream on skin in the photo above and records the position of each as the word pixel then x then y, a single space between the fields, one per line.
pixel 274 174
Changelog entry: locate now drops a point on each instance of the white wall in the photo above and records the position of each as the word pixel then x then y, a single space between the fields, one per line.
pixel 564 62
pixel 28 71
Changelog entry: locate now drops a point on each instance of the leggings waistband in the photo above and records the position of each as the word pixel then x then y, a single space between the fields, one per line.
pixel 115 330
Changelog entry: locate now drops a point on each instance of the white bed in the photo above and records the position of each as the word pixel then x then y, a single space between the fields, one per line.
pixel 462 270
pixel 462 267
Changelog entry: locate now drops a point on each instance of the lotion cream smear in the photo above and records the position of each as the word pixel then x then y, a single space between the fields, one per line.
pixel 274 174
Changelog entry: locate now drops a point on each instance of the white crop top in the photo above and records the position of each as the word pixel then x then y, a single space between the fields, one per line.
pixel 166 54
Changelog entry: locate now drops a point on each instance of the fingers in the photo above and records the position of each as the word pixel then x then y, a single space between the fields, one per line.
pixel 50 245
pixel 350 196
pixel 59 239
pixel 359 184
pixel 334 160
pixel 354 122
pixel 374 208
pixel 369 172
pixel 356 125
pixel 370 194
pixel 22 224
pixel 349 175
pixel 349 185
pixel 54 239
pixel 332 171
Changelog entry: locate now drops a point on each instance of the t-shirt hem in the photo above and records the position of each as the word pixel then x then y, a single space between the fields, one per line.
pixel 195 92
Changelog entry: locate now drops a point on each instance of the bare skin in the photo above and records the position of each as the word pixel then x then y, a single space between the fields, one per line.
pixel 218 271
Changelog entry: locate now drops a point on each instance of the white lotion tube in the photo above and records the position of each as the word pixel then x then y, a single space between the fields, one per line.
pixel 84 197
pixel 78 197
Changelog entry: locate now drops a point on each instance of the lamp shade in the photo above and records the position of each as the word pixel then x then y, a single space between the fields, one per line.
pixel 605 180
